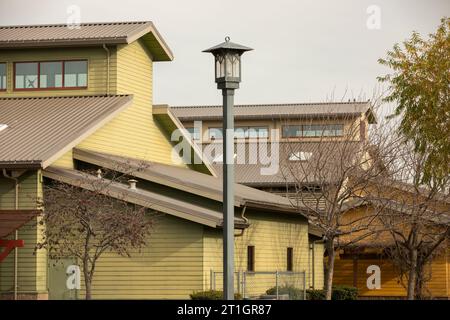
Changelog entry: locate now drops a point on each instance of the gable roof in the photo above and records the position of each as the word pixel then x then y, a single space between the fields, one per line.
pixel 155 201
pixel 40 130
pixel 186 180
pixel 58 35
pixel 276 111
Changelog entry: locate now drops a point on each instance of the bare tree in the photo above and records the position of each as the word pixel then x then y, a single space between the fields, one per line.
pixel 332 172
pixel 416 215
pixel 84 219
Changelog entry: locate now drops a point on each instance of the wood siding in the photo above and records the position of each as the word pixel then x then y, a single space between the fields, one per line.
pixel 169 267
pixel 97 69
pixel 271 235
pixel 133 133
pixel 32 267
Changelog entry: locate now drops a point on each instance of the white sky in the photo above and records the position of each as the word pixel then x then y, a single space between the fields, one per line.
pixel 304 50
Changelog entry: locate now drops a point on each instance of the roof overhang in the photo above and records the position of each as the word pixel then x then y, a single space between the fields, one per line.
pixel 11 220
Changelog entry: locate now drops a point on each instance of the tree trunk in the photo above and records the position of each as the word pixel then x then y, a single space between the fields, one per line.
pixel 87 280
pixel 412 276
pixel 330 269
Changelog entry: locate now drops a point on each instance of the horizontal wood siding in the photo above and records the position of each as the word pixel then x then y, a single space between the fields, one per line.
pixel 391 284
pixel 133 133
pixel 65 161
pixel 169 267
pixel 32 267
pixel 271 235
pixel 97 72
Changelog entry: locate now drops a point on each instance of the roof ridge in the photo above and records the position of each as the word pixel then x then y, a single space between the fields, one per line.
pixel 81 24
pixel 274 104
pixel 66 97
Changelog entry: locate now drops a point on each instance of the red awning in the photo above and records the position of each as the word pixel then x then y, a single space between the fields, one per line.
pixel 11 220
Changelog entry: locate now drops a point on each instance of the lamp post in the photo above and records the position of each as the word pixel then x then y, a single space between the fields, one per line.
pixel 227 56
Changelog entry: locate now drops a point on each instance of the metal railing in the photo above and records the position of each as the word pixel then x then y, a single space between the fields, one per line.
pixel 268 285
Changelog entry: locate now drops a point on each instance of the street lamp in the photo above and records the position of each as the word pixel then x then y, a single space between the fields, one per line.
pixel 227 56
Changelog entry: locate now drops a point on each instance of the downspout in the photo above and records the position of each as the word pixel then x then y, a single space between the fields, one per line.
pixel 107 68
pixel 16 233
pixel 245 219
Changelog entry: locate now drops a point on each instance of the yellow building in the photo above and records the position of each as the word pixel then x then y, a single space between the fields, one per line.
pixel 75 98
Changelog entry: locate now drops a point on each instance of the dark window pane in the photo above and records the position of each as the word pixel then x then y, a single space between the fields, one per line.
pixel 75 74
pixel 194 132
pixel 2 76
pixel 215 133
pixel 292 131
pixel 50 75
pixel 290 259
pixel 251 258
pixel 26 75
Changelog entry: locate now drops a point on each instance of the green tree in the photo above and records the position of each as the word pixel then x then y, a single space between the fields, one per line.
pixel 419 85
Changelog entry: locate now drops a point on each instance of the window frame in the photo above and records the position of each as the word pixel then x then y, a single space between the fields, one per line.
pixel 290 259
pixel 329 127
pixel 6 77
pixel 63 63
pixel 251 258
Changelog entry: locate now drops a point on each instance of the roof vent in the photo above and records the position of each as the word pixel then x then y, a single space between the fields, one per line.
pixel 132 184
pixel 3 126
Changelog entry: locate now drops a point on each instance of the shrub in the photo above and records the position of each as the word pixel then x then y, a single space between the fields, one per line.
pixel 344 293
pixel 338 293
pixel 315 294
pixel 211 295
pixel 293 292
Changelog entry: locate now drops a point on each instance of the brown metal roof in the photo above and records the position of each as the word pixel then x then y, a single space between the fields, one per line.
pixel 149 199
pixel 289 172
pixel 186 180
pixel 39 130
pixel 87 34
pixel 275 111
pixel 11 220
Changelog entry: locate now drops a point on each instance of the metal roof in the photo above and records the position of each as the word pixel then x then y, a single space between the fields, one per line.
pixel 86 34
pixel 186 180
pixel 40 130
pixel 145 198
pixel 321 154
pixel 276 111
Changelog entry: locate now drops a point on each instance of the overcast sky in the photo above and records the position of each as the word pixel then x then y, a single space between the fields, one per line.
pixel 304 50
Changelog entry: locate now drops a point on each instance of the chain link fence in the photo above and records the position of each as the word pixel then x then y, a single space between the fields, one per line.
pixel 265 285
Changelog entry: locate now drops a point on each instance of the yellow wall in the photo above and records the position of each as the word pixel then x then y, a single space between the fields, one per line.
pixel 271 234
pixel 32 268
pixel 391 284
pixel 97 72
pixel 133 133
pixel 169 267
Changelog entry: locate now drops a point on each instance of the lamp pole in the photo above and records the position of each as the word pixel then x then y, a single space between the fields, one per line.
pixel 228 75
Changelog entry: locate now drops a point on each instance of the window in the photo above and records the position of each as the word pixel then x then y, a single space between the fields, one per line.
pixel 2 76
pixel 290 259
pixel 256 132
pixel 194 132
pixel 75 74
pixel 50 75
pixel 251 258
pixel 292 131
pixel 215 133
pixel 26 75
pixel 315 130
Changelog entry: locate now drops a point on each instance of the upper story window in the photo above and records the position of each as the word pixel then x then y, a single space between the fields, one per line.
pixel 194 132
pixel 2 76
pixel 50 75
pixel 315 130
pixel 215 133
pixel 241 132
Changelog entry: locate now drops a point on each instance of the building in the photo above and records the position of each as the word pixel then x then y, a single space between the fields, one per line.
pixel 75 98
